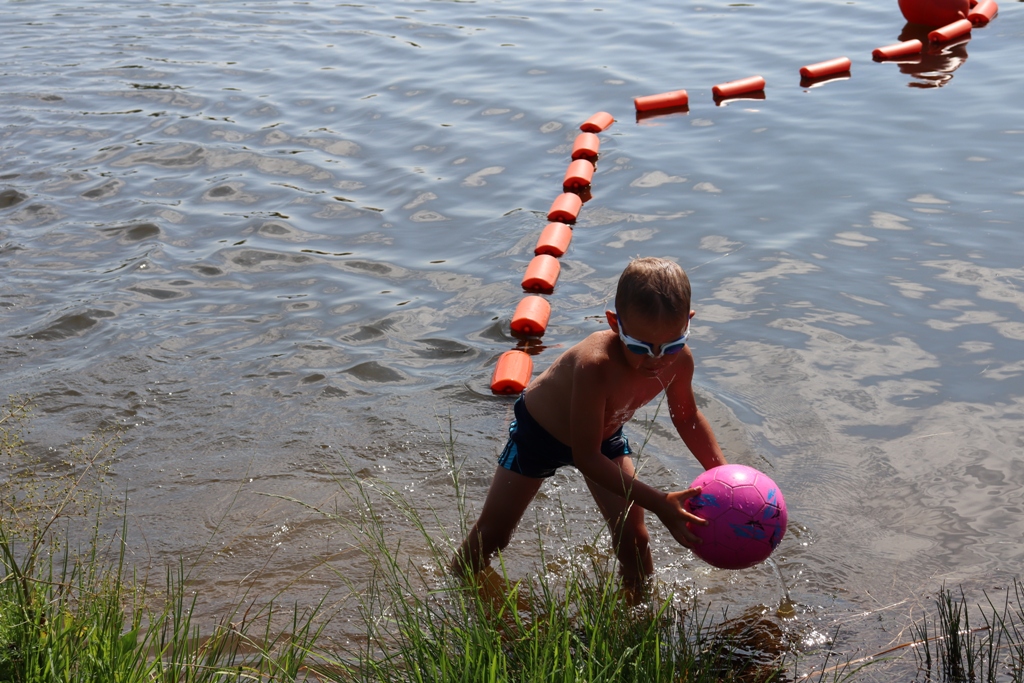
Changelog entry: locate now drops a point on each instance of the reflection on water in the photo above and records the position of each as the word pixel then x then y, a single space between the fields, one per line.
pixel 277 242
pixel 823 80
pixel 934 66
pixel 740 99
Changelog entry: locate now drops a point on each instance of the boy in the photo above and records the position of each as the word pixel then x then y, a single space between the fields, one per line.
pixel 572 414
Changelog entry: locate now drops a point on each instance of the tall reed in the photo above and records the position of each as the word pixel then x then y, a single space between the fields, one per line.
pixel 949 649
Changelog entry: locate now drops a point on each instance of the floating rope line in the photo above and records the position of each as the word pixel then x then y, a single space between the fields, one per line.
pixel 529 321
pixel 514 368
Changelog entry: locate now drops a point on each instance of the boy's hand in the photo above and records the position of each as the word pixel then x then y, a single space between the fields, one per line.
pixel 675 517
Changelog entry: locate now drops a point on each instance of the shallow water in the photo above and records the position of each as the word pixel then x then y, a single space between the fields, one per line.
pixel 270 238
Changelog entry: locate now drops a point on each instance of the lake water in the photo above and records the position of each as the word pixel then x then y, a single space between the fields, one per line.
pixel 277 239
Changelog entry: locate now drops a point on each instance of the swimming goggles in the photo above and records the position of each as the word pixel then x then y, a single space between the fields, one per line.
pixel 646 348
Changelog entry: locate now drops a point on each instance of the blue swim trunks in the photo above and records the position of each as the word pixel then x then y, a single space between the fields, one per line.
pixel 533 452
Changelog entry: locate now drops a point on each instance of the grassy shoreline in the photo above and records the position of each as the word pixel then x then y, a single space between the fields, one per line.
pixel 82 614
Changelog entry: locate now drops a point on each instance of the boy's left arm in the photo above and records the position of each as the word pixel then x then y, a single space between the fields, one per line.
pixel 693 427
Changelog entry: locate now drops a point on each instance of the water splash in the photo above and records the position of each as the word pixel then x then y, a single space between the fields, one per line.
pixel 786 608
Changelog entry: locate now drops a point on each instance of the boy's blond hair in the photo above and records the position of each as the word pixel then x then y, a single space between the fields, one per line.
pixel 654 288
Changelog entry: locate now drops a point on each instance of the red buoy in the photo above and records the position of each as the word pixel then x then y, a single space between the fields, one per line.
pixel 675 98
pixel 600 121
pixel 586 146
pixel 542 274
pixel 531 316
pixel 826 68
pixel 553 240
pixel 983 12
pixel 512 373
pixel 578 175
pixel 565 208
pixel 904 49
pixel 934 12
pixel 741 87
pixel 950 31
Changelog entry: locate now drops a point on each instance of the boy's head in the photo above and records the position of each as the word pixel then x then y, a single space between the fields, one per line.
pixel 655 289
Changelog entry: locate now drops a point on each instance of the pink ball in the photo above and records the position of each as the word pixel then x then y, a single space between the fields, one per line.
pixel 747 516
pixel 934 12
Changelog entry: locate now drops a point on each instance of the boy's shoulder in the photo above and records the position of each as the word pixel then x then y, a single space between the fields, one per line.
pixel 591 360
pixel 595 350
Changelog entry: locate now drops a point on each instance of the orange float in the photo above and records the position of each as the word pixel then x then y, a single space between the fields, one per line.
pixel 904 49
pixel 531 316
pixel 512 372
pixel 542 273
pixel 950 31
pixel 578 175
pixel 585 146
pixel 742 86
pixel 934 12
pixel 565 208
pixel 676 98
pixel 600 121
pixel 553 240
pixel 829 67
pixel 983 12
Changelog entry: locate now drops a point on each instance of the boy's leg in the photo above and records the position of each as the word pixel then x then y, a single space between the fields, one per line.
pixel 629 532
pixel 507 499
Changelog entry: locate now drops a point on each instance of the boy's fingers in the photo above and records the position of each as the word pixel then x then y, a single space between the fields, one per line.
pixel 683 517
pixel 689 539
pixel 686 494
pixel 689 516
pixel 694 519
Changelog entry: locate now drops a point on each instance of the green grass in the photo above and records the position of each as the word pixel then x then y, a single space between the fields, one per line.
pixel 79 619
